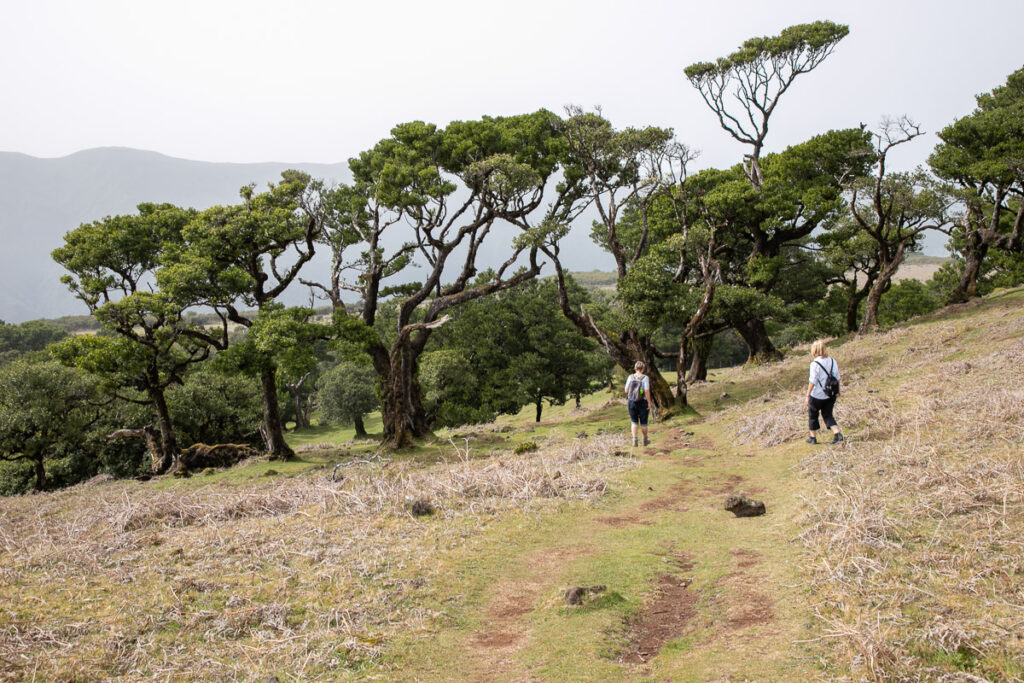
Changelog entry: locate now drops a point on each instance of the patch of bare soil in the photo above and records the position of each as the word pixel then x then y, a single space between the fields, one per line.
pixel 663 620
pixel 623 520
pixel 505 632
pixel 743 603
pixel 745 558
pixel 679 439
pixel 727 484
pixel 670 500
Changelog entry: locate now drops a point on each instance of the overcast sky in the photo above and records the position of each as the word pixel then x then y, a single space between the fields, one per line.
pixel 320 80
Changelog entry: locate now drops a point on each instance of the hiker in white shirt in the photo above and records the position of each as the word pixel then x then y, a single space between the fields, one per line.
pixel 818 399
pixel 638 387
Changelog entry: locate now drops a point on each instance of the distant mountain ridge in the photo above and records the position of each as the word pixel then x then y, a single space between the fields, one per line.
pixel 41 199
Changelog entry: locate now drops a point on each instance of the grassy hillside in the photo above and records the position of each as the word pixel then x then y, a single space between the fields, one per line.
pixel 894 556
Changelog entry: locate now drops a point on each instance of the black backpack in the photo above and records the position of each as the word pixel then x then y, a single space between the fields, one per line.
pixel 831 387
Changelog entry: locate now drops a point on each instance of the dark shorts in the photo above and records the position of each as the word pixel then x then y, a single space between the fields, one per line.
pixel 823 406
pixel 637 412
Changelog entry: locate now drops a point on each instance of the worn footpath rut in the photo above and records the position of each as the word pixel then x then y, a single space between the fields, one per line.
pixel 715 596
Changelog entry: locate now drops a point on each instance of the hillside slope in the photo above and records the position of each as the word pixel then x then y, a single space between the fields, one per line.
pixel 894 556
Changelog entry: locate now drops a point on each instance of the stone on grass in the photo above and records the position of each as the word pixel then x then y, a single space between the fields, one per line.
pixel 575 595
pixel 744 507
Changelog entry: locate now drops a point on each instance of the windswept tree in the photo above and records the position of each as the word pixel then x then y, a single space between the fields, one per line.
pixel 239 260
pixel 619 174
pixel 743 90
pixel 672 284
pixel 894 210
pixel 983 154
pixel 430 197
pixel 111 265
pixel 761 234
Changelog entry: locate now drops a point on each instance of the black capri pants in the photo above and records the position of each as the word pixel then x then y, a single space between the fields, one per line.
pixel 823 406
pixel 637 412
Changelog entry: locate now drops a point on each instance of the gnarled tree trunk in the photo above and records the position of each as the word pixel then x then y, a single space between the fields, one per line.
pixel 168 441
pixel 360 428
pixel 159 463
pixel 273 429
pixel 761 349
pixel 402 409
pixel 880 286
pixel 698 371
pixel 40 472
pixel 967 288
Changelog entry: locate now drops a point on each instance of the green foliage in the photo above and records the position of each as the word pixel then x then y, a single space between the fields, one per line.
pixel 211 407
pixel 984 148
pixel 502 352
pixel 16 340
pixel 525 447
pixel 150 344
pixel 906 299
pixel 727 349
pixel 346 392
pixel 237 253
pixel 802 42
pixel 807 321
pixel 45 409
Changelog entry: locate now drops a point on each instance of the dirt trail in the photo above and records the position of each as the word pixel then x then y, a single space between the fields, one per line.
pixel 505 633
pixel 726 611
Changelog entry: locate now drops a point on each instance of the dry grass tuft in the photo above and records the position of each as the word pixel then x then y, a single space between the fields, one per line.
pixel 310 574
pixel 914 527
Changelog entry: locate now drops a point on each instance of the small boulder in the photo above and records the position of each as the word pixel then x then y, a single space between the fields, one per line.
pixel 744 507
pixel 575 595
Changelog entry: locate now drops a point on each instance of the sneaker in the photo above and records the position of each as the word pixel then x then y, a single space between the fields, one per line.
pixel 635 441
pixel 838 437
pixel 647 442
pixel 812 440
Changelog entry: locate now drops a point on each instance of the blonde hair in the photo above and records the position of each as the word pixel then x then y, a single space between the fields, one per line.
pixel 818 349
pixel 639 366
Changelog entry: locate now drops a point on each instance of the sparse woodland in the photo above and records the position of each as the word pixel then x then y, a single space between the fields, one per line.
pixel 438 452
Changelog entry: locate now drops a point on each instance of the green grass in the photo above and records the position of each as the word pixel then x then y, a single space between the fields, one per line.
pixel 334 434
pixel 474 592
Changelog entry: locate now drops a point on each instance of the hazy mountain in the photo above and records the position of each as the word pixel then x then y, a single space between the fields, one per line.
pixel 41 199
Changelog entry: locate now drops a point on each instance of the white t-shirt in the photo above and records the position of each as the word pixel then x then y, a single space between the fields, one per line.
pixel 818 376
pixel 646 382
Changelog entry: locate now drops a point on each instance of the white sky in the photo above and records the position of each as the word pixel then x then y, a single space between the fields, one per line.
pixel 319 81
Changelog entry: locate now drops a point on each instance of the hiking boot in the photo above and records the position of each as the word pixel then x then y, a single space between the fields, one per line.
pixel 838 437
pixel 647 442
pixel 635 442
pixel 812 440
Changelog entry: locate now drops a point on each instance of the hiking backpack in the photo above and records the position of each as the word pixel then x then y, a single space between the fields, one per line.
pixel 635 389
pixel 831 386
